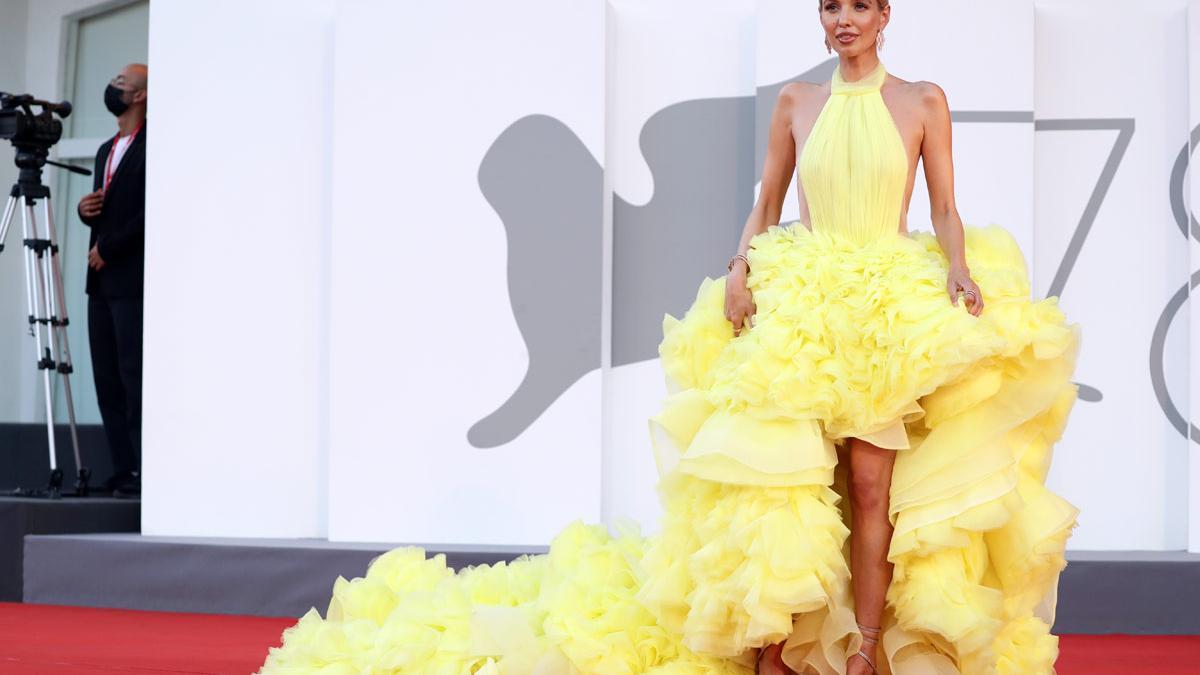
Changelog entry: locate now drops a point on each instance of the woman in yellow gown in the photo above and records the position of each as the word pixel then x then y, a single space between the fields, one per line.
pixel 852 460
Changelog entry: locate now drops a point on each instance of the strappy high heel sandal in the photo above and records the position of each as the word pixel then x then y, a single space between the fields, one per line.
pixel 870 637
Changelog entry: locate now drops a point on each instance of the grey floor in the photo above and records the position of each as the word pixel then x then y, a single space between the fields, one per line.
pixel 1155 592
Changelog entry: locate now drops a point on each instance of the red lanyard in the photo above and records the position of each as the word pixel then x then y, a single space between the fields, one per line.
pixel 108 167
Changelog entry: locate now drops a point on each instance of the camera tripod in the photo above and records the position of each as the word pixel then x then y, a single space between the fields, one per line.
pixel 47 312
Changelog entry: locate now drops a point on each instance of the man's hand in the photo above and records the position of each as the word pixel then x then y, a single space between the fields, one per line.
pixel 94 260
pixel 89 206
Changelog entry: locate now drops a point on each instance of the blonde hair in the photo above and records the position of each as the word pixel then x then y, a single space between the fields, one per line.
pixel 882 3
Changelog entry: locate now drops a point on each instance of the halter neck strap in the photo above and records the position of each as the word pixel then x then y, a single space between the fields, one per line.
pixel 872 82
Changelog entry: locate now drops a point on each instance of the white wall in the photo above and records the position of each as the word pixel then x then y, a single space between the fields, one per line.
pixel 17 367
pixel 33 41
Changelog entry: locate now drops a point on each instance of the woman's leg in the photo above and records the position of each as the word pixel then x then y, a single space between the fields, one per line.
pixel 770 661
pixel 870 535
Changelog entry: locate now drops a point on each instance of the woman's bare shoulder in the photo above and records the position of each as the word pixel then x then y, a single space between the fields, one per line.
pixel 801 94
pixel 931 95
pixel 802 88
pixel 921 95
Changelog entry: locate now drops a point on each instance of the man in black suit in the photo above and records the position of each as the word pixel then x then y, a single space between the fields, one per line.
pixel 116 213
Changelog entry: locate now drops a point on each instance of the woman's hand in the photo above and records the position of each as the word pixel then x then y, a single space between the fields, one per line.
pixel 739 303
pixel 958 280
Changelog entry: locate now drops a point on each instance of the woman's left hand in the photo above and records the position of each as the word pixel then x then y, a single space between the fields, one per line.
pixel 958 281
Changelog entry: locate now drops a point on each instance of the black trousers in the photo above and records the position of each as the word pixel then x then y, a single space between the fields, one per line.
pixel 115 336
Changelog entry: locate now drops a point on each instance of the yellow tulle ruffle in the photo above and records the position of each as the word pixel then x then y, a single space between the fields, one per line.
pixel 850 340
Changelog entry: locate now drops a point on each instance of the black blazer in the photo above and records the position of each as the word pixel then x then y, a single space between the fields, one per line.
pixel 119 230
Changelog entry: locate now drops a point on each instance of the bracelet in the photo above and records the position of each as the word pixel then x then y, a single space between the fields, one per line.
pixel 729 267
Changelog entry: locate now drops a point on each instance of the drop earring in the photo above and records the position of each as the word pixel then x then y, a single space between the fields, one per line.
pixel 879 41
pixel 827 47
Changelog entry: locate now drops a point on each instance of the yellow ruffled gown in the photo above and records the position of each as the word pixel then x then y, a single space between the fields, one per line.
pixel 855 336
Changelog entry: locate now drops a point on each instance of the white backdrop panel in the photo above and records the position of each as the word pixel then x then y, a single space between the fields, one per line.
pixel 1122 462
pixel 1190 189
pixel 666 52
pixel 989 86
pixel 387 311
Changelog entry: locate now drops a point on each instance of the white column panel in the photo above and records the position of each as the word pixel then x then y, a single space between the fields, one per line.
pixel 236 215
pixel 466 263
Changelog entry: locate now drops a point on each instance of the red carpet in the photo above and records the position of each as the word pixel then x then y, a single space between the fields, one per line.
pixel 1113 654
pixel 51 639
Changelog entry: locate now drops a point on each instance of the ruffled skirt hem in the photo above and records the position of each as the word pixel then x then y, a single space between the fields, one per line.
pixel 972 406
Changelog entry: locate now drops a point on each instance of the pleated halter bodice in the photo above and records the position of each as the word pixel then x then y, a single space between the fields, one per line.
pixel 853 167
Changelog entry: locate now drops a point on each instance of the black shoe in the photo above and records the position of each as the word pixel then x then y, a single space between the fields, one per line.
pixel 130 490
pixel 118 479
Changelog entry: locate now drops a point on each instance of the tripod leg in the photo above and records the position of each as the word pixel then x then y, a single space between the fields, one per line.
pixel 7 219
pixel 37 248
pixel 30 280
pixel 62 353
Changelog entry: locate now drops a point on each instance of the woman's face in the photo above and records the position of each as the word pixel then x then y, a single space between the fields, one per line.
pixel 851 25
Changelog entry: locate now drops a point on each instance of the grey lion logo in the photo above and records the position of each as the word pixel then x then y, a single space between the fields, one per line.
pixel 548 190
pixel 705 157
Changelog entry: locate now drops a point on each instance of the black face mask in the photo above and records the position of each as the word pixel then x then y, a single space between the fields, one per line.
pixel 113 100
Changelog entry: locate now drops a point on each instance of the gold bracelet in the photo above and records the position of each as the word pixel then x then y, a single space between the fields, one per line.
pixel 729 267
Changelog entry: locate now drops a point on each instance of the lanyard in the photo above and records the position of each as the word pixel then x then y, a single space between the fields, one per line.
pixel 108 166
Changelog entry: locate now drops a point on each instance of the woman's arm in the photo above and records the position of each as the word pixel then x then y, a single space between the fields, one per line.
pixel 777 174
pixel 938 158
pixel 778 166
